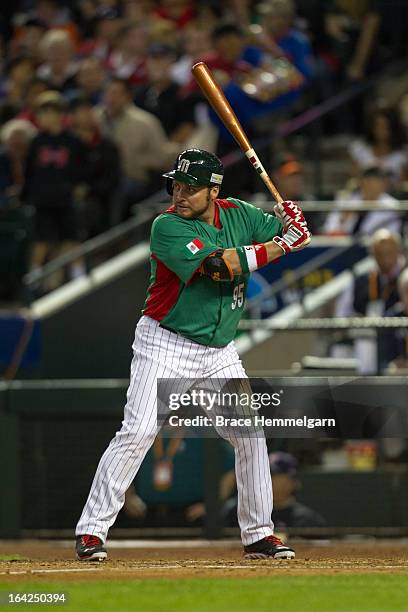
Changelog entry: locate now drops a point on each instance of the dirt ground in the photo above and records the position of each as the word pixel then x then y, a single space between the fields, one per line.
pixel 48 560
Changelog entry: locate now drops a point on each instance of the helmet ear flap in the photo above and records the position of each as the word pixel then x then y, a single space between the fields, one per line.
pixel 169 186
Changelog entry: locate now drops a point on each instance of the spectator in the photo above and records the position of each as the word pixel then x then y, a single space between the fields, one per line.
pixel 231 59
pixel 351 30
pixel 137 10
pixel 179 12
pixel 141 140
pixel 55 165
pixel 16 136
pixel 392 16
pixel 280 37
pixel 27 39
pixel 107 25
pixel 383 146
pixel 376 292
pixel 231 56
pixel 196 43
pixel 36 87
pixel 287 511
pixel 59 67
pixel 20 71
pixel 90 78
pixel 289 177
pixel 162 97
pixel 103 171
pixel 127 60
pixel 372 189
pixel 393 348
pixel 371 295
pixel 56 15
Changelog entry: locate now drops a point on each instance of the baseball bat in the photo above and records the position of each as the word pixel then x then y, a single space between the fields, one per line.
pixel 222 107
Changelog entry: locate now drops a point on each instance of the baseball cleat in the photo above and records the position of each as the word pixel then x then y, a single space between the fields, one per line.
pixel 90 548
pixel 270 547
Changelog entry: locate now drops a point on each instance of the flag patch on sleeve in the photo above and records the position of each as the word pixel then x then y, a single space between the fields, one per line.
pixel 195 245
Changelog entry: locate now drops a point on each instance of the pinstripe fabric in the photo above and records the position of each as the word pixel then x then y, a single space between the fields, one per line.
pixel 158 353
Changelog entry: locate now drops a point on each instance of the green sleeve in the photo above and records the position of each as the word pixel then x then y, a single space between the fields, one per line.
pixel 172 242
pixel 263 225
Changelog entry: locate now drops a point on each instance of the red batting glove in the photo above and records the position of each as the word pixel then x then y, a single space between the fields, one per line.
pixel 289 212
pixel 295 238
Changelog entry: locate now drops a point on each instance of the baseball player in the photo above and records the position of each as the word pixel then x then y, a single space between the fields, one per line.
pixel 202 251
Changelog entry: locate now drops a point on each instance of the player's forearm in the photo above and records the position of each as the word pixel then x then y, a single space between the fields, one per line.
pixel 273 251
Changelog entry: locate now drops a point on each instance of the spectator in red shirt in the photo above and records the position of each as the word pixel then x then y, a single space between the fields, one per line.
pixel 179 12
pixel 231 55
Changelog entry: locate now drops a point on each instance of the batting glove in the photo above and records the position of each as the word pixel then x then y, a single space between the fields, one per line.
pixel 289 212
pixel 295 238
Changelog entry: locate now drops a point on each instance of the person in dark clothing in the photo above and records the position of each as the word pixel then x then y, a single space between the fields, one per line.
pixel 380 284
pixel 16 136
pixel 103 169
pixel 371 295
pixel 393 343
pixel 287 511
pixel 161 96
pixel 55 166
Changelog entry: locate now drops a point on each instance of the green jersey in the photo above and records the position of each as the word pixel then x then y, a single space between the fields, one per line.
pixel 192 305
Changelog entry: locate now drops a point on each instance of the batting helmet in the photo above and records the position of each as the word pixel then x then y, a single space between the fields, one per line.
pixel 195 167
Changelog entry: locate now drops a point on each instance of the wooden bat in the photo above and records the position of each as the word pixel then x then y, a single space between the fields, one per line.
pixel 222 107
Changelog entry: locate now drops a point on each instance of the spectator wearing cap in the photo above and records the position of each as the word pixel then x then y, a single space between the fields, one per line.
pixel 127 60
pixel 16 136
pixel 162 97
pixel 108 22
pixel 140 138
pixel 55 166
pixel 59 67
pixel 289 176
pixel 372 190
pixel 103 171
pixel 90 78
pixel 287 511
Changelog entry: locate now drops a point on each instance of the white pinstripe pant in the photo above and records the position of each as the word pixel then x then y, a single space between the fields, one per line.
pixel 158 353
